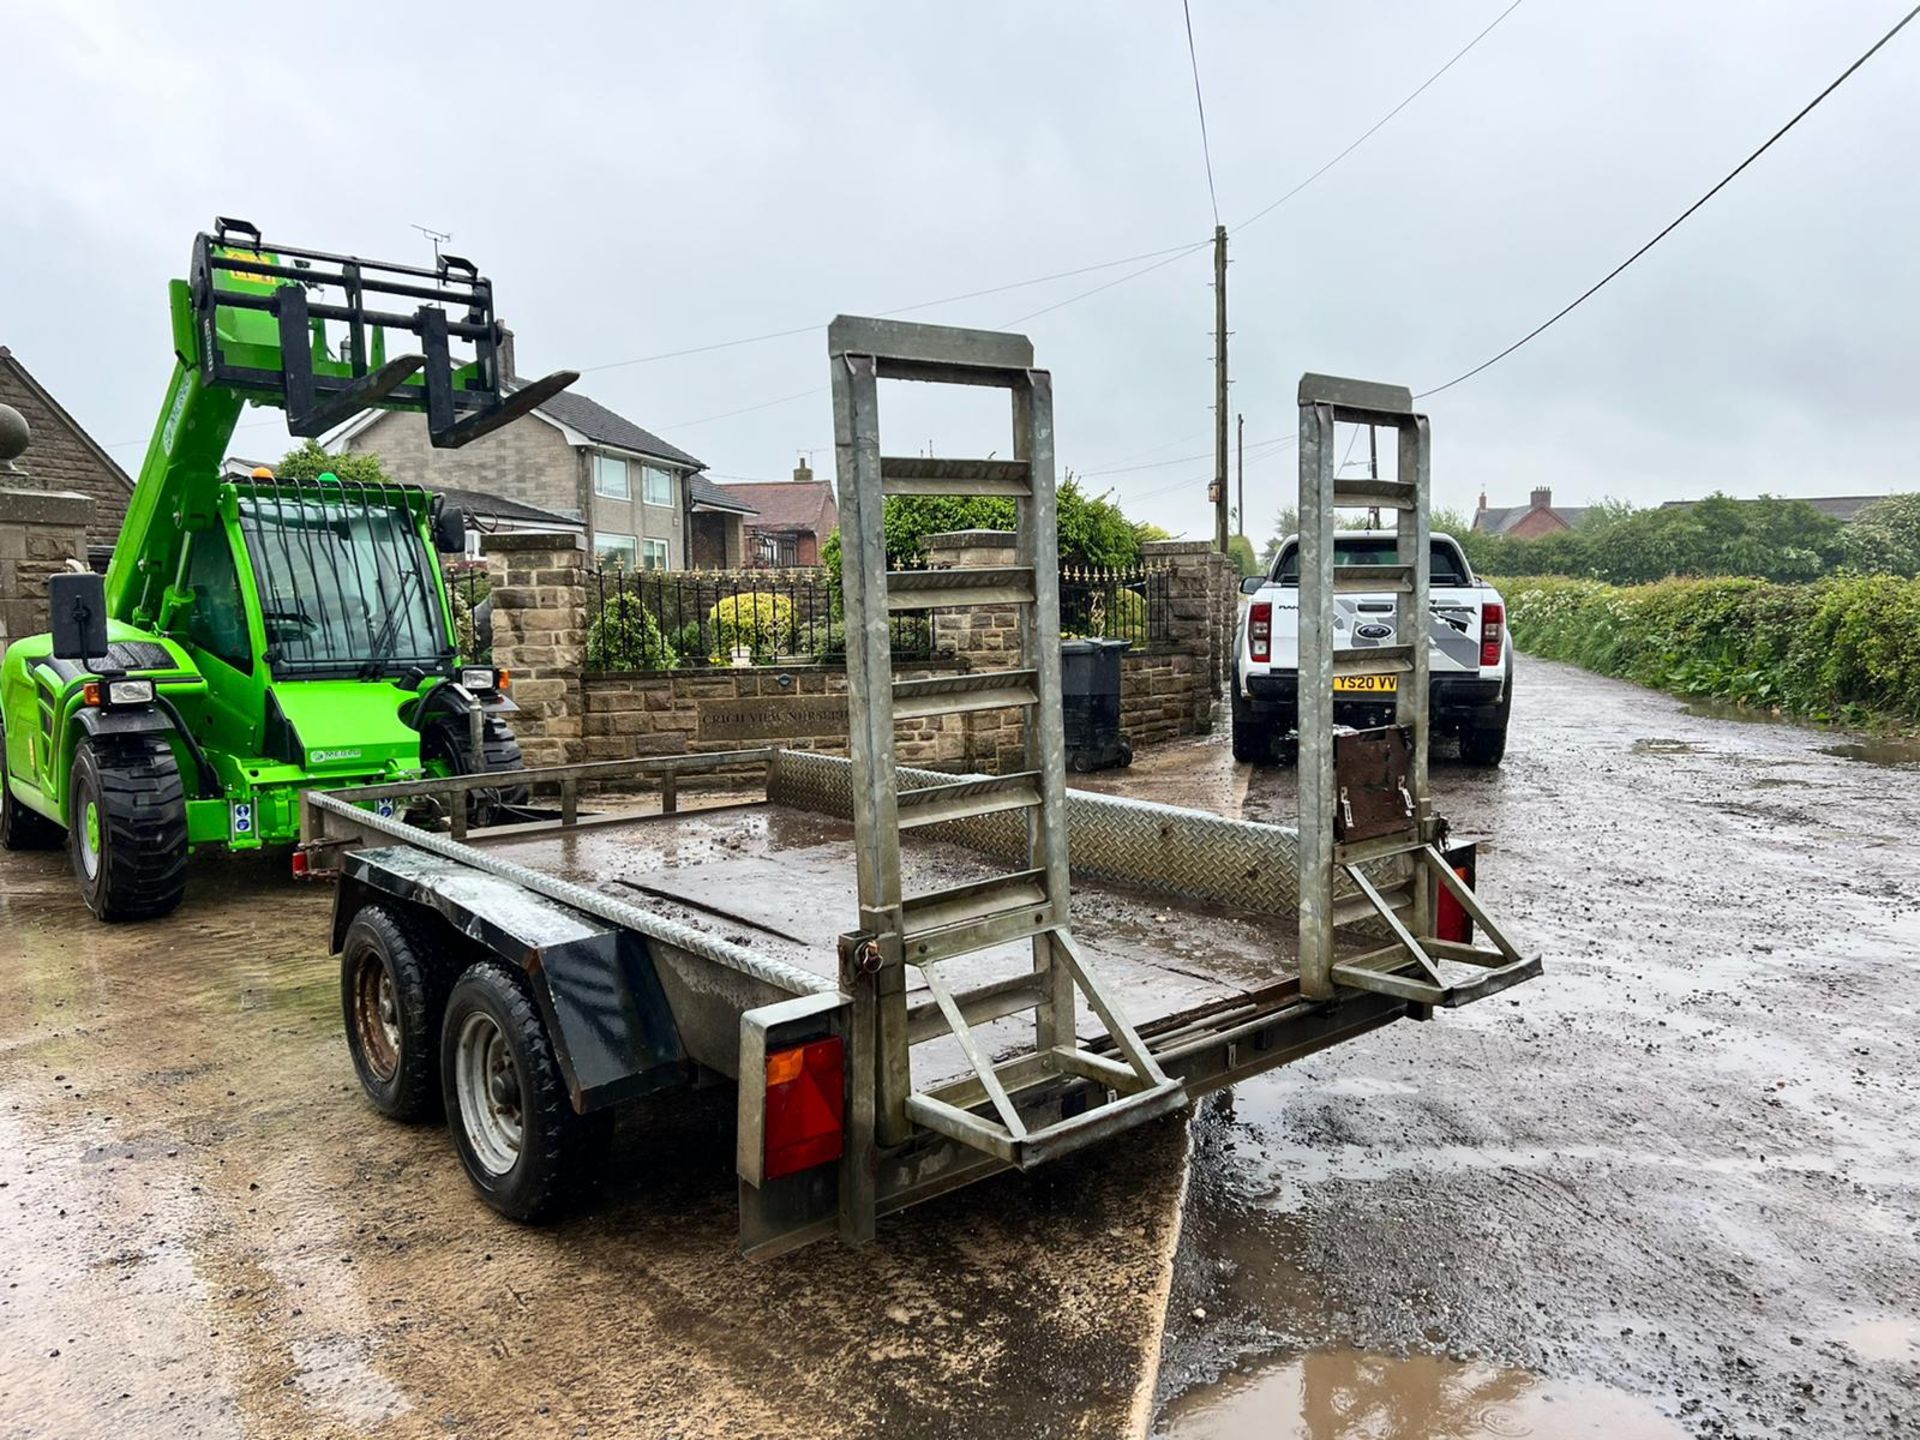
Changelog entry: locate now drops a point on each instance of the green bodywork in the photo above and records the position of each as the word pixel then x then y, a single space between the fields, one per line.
pixel 276 677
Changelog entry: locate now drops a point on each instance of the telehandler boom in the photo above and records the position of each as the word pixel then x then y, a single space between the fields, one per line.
pixel 255 638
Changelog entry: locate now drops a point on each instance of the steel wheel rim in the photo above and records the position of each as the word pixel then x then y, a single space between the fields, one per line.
pixel 487 1086
pixel 90 839
pixel 376 1016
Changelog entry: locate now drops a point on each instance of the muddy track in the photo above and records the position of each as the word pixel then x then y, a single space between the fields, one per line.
pixel 1678 1177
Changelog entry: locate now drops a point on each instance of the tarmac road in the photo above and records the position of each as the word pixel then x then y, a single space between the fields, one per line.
pixel 1669 1189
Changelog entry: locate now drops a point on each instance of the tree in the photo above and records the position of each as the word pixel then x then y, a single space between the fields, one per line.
pixel 1240 548
pixel 1092 530
pixel 310 461
pixel 1884 537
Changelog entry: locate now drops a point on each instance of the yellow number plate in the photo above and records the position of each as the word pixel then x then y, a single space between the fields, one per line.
pixel 1367 684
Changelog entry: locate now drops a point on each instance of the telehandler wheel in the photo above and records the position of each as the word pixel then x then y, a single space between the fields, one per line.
pixel 21 828
pixel 128 836
pixel 448 740
pixel 513 1123
pixel 392 996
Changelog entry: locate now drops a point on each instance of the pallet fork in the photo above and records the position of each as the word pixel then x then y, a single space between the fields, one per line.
pixel 1340 773
pixel 929 930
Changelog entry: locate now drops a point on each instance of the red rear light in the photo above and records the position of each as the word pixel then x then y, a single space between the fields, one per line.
pixel 1493 620
pixel 1450 918
pixel 302 864
pixel 806 1107
pixel 1260 630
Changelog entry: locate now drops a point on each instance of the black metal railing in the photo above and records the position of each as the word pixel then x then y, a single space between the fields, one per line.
pixel 673 619
pixel 1109 603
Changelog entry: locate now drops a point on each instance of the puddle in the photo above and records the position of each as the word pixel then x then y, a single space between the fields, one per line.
pixel 1890 1339
pixel 1666 747
pixel 1355 1395
pixel 1896 752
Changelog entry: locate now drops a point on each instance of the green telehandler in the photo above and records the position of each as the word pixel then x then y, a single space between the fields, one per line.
pixel 254 638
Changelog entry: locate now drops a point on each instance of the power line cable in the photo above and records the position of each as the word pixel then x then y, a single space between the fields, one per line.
pixel 1678 220
pixel 1206 151
pixel 1367 135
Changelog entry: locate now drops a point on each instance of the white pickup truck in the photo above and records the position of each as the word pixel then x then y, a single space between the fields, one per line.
pixel 1471 664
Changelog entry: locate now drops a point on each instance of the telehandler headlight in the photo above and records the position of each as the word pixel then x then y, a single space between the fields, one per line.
pixel 478 679
pixel 116 692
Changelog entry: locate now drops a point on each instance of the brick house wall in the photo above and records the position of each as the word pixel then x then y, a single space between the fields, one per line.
pixel 62 456
pixel 529 461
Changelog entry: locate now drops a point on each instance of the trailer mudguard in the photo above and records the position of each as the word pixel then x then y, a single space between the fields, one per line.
pixel 595 983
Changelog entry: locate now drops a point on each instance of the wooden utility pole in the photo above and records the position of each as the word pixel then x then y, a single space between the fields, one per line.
pixel 1240 472
pixel 1220 388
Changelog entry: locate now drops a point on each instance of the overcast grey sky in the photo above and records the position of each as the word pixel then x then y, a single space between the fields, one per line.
pixel 639 178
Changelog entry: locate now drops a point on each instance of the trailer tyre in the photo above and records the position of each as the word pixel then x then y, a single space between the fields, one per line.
pixel 128 836
pixel 524 1148
pixel 448 740
pixel 392 997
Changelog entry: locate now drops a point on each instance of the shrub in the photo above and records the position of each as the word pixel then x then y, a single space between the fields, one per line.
pixel 1845 648
pixel 761 623
pixel 693 641
pixel 625 636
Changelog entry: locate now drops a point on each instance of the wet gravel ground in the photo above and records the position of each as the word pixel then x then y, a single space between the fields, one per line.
pixel 1672 1188
pixel 1684 1164
pixel 205 1231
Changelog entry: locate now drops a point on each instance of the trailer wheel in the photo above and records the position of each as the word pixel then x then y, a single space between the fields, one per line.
pixel 513 1123
pixel 128 836
pixel 392 995
pixel 448 741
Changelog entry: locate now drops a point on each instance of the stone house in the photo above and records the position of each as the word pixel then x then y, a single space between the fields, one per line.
pixel 63 457
pixel 792 521
pixel 642 502
pixel 1530 521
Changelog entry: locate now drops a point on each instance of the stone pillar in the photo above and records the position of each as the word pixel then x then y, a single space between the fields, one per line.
pixel 539 633
pixel 1201 586
pixel 984 637
pixel 41 531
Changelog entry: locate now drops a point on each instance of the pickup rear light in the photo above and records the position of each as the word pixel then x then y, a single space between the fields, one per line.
pixel 806 1108
pixel 1493 621
pixel 1260 630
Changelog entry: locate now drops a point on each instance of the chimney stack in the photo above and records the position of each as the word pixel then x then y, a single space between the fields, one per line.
pixel 1542 498
pixel 507 371
pixel 803 471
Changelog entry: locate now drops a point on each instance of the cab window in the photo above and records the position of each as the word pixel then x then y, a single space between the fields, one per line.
pixel 217 621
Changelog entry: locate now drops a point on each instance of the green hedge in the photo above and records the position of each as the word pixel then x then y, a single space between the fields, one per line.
pixel 1845 648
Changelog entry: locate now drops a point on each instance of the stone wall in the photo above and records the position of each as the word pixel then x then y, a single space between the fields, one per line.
pixel 41 530
pixel 541 595
pixel 62 457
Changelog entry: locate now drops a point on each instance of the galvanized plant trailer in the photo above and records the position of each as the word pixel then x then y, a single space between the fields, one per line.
pixel 940 1039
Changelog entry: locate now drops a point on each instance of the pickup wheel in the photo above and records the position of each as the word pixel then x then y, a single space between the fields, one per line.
pixel 128 836
pixel 1252 741
pixel 1486 745
pixel 392 996
pixel 447 745
pixel 514 1127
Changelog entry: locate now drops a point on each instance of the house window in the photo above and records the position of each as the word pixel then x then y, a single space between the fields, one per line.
pixel 616 550
pixel 653 555
pixel 610 477
pixel 658 485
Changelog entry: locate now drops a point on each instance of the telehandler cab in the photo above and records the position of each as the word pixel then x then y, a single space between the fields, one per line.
pixel 256 638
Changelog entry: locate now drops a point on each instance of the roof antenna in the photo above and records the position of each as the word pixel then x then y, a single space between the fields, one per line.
pixel 436 236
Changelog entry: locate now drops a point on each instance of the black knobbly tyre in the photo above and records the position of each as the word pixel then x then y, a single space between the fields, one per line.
pixel 393 992
pixel 1252 741
pixel 128 836
pixel 513 1125
pixel 449 740
pixel 21 828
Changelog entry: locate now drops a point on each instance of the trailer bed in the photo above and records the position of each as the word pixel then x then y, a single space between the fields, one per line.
pixel 779 881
